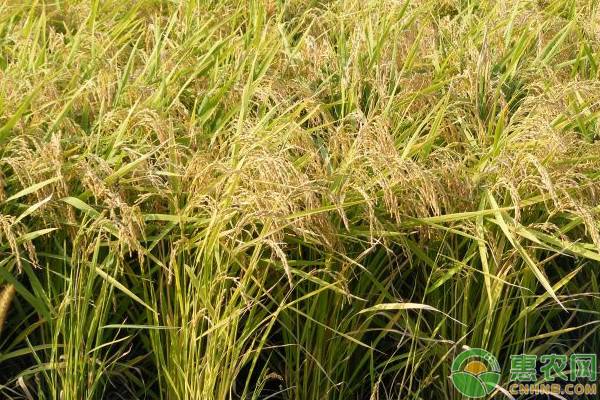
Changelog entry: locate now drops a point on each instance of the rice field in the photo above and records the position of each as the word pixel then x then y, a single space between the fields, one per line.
pixel 294 199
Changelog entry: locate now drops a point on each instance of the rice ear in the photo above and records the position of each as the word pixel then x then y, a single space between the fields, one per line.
pixel 6 297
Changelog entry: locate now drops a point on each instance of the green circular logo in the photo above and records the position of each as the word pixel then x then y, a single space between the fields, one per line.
pixel 475 373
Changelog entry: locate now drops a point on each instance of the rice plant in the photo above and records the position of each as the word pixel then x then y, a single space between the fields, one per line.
pixel 294 199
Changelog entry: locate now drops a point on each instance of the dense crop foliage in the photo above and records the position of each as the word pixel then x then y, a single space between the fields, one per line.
pixel 293 199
